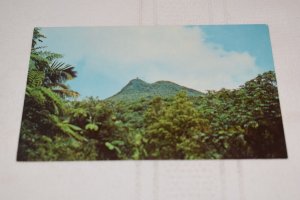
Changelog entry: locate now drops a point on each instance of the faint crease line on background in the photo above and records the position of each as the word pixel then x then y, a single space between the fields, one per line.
pixel 155 12
pixel 155 180
pixel 140 12
pixel 137 180
pixel 223 179
pixel 240 179
pixel 210 12
pixel 225 12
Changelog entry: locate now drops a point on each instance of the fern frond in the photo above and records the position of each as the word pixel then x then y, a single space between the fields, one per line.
pixel 79 112
pixel 35 78
pixel 73 134
pixel 36 57
pixel 36 94
pixel 53 97
pixel 67 128
pixel 37 37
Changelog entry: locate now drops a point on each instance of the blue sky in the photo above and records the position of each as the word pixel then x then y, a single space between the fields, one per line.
pixel 199 57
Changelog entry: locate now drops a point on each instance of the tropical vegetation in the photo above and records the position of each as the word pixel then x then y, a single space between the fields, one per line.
pixel 145 121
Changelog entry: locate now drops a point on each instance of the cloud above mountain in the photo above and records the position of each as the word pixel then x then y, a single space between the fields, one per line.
pixel 178 54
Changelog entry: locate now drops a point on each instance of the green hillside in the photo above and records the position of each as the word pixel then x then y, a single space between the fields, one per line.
pixel 137 89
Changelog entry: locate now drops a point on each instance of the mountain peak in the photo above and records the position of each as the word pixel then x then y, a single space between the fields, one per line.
pixel 135 85
pixel 136 81
pixel 137 89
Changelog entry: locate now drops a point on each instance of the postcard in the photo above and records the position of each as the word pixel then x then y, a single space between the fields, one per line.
pixel 151 93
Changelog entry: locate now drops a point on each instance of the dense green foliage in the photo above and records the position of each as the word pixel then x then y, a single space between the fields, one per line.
pixel 146 121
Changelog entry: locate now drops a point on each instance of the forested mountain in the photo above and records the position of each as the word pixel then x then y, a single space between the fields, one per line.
pixel 137 89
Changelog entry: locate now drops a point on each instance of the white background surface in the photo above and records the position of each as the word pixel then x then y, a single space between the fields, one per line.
pixel 147 180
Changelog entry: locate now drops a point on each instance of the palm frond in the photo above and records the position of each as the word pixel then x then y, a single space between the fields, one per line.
pixel 58 86
pixel 59 72
pixel 66 93
pixel 50 56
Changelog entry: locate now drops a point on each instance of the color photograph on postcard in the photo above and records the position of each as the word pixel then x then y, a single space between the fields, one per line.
pixel 151 93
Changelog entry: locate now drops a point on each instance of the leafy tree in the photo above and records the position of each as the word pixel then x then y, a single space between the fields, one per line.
pixel 98 121
pixel 262 117
pixel 246 122
pixel 227 135
pixel 173 131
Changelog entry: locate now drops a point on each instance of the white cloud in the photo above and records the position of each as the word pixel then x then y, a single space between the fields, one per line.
pixel 177 54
